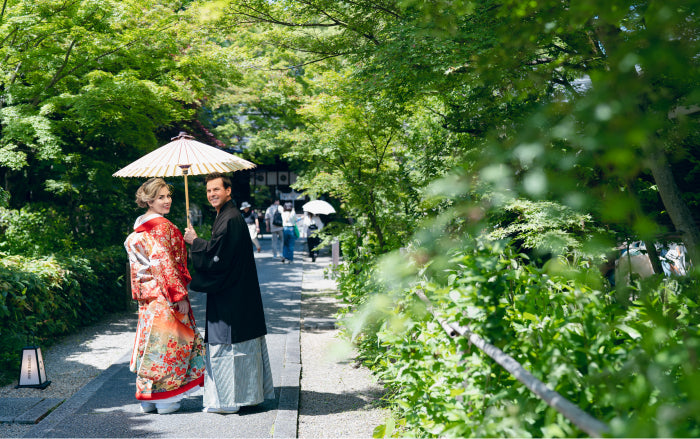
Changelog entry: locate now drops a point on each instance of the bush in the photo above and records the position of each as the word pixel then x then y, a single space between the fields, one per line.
pixel 34 231
pixel 52 296
pixel 631 364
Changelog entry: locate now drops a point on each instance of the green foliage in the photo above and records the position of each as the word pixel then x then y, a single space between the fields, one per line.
pixel 34 231
pixel 85 88
pixel 355 277
pixel 47 297
pixel 545 226
pixel 261 198
pixel 4 198
pixel 571 101
pixel 357 153
pixel 632 366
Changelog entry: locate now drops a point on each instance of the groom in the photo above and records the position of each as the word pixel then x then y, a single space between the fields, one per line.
pixel 237 365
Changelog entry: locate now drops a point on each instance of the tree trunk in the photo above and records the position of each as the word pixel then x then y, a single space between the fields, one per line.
pixel 372 214
pixel 653 256
pixel 676 207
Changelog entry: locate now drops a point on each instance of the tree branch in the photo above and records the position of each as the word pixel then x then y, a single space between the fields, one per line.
pixel 267 18
pixel 304 64
pixel 341 23
pixel 2 13
pixel 384 150
pixel 262 16
pixel 305 50
pixel 562 49
pixel 57 75
pixel 15 73
pixel 9 34
pixel 562 81
pixel 376 7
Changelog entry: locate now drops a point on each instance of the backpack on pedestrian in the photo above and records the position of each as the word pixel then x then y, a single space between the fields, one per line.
pixel 277 219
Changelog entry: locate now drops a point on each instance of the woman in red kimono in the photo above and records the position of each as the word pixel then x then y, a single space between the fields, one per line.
pixel 168 355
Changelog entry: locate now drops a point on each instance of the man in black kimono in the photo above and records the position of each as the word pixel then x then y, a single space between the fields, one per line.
pixel 238 368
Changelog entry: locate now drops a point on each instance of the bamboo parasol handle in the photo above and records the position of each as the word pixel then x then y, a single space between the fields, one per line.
pixel 185 171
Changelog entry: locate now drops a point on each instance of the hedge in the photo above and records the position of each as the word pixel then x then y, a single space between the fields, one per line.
pixel 48 297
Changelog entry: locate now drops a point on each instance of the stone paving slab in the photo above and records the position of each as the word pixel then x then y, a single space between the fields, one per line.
pixel 10 408
pixel 26 410
pixel 39 411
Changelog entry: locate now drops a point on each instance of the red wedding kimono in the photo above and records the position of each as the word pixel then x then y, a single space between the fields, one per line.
pixel 168 355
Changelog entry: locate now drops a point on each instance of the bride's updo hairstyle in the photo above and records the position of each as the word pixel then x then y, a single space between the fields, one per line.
pixel 149 191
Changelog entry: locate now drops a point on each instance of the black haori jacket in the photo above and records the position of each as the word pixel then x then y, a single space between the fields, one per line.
pixel 225 270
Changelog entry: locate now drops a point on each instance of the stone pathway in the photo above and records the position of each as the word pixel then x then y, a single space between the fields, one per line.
pixel 338 398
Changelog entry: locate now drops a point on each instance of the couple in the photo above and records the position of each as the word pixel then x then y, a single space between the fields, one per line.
pixel 169 356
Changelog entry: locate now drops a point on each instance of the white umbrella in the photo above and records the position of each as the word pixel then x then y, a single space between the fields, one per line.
pixel 184 156
pixel 318 207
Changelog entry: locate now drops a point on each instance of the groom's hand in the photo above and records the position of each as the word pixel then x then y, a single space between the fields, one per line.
pixel 189 235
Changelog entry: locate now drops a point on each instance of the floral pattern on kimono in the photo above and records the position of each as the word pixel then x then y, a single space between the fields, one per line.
pixel 168 354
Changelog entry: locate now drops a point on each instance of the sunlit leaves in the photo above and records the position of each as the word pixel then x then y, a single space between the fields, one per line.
pixel 24 133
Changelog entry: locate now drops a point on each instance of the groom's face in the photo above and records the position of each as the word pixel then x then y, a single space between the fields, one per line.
pixel 217 194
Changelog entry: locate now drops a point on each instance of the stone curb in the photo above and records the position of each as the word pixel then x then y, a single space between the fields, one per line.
pixel 288 410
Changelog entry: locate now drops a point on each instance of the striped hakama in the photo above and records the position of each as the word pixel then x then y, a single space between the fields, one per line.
pixel 237 375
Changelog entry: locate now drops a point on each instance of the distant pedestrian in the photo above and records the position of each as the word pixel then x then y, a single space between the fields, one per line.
pixel 273 223
pixel 251 219
pixel 289 220
pixel 237 363
pixel 168 355
pixel 312 224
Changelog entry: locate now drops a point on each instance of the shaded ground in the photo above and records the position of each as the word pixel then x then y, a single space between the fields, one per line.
pixel 338 399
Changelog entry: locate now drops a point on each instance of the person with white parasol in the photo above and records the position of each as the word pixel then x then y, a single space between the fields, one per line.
pixel 312 223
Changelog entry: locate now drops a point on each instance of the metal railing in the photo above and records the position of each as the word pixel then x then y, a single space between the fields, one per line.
pixel 587 423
